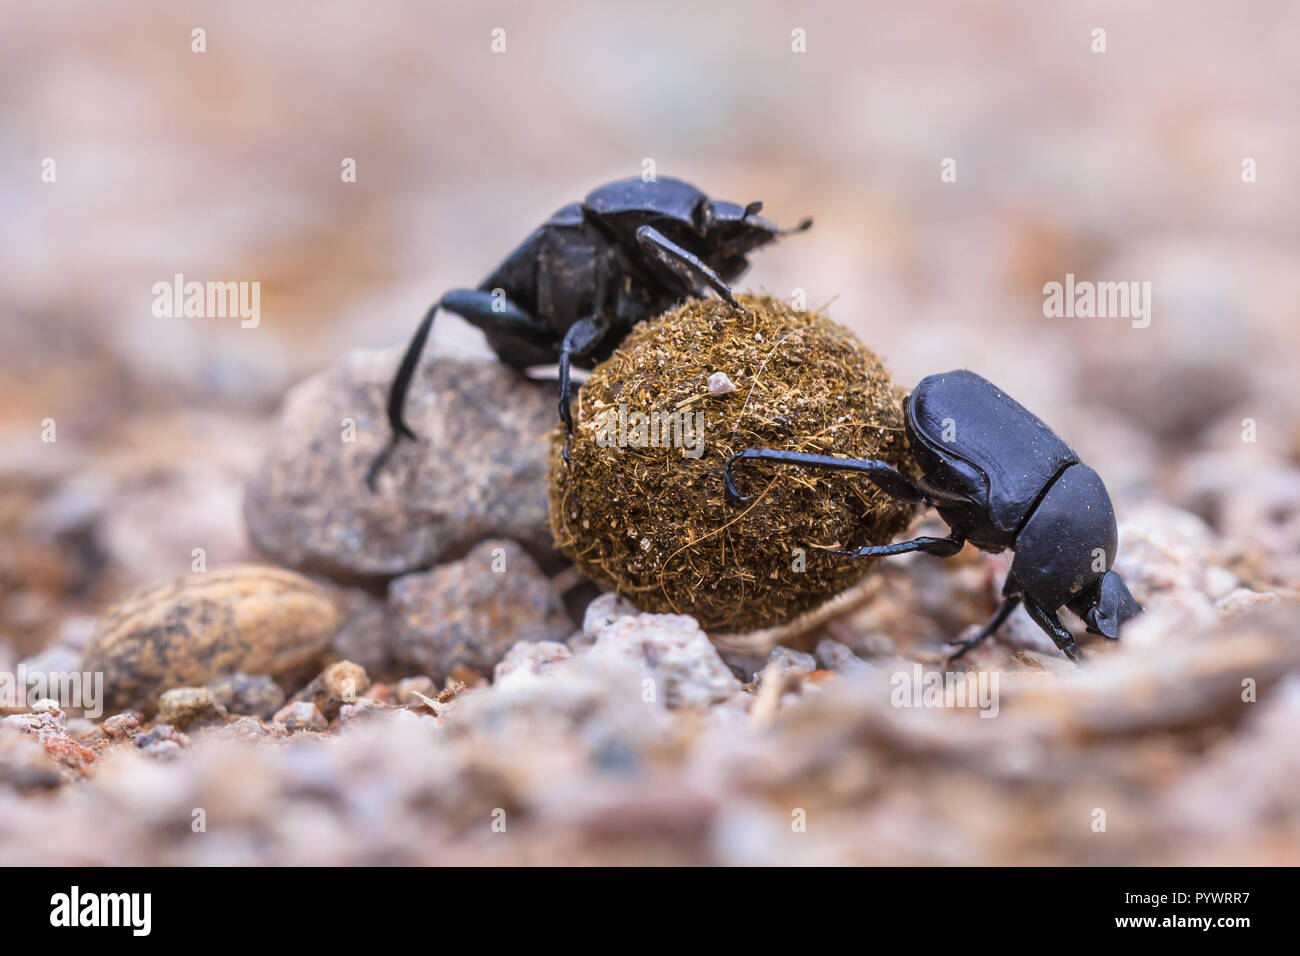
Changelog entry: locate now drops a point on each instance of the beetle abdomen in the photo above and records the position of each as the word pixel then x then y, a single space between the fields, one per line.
pixel 1069 541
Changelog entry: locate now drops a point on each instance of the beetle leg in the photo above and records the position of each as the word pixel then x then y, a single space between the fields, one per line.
pixel 682 263
pixel 483 309
pixel 495 313
pixel 881 473
pixel 398 428
pixel 942 547
pixel 1051 624
pixel 1009 604
pixel 581 338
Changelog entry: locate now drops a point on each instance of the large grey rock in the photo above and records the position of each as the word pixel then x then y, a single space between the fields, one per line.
pixel 478 469
pixel 469 613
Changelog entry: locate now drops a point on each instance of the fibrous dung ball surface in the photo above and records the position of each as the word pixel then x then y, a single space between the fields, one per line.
pixel 640 507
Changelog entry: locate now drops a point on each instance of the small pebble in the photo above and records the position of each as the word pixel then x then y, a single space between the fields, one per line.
pixel 254 695
pixel 675 653
pixel 834 656
pixel 186 706
pixel 603 611
pixel 365 707
pixel 412 689
pixel 243 728
pixel 300 715
pixel 166 750
pixel 160 732
pixel 789 662
pixel 536 656
pixel 124 724
pixel 340 683
pixel 720 384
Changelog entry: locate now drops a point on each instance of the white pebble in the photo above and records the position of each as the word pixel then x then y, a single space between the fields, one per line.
pixel 720 384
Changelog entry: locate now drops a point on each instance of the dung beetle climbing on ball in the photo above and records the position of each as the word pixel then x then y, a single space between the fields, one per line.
pixel 573 290
pixel 1002 480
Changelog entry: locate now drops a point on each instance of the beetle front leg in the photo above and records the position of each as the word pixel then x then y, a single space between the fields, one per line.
pixel 581 338
pixel 1051 624
pixel 683 263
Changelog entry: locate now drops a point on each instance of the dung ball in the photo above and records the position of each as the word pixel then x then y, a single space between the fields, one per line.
pixel 640 507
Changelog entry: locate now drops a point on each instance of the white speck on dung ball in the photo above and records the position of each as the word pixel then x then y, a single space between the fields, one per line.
pixel 719 384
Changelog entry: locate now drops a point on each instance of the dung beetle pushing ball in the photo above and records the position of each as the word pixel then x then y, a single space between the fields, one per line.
pixel 571 292
pixel 1002 480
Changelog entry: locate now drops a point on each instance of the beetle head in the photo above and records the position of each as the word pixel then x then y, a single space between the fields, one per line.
pixel 740 229
pixel 1106 605
pixel 731 232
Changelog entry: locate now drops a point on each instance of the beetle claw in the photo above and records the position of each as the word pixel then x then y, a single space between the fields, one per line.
pixel 733 495
pixel 962 648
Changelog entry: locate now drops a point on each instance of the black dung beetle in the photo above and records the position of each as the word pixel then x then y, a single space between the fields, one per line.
pixel 573 290
pixel 1001 479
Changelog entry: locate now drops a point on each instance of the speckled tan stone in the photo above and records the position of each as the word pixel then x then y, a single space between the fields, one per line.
pixel 249 619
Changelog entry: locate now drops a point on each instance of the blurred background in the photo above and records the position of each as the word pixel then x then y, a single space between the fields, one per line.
pixel 225 165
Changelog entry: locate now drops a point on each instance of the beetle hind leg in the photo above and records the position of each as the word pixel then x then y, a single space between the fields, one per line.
pixel 398 429
pixel 1009 604
pixel 483 310
pixel 944 547
pixel 882 474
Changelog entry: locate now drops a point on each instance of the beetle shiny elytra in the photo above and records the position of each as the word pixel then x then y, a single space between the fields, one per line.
pixel 573 289
pixel 1002 480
